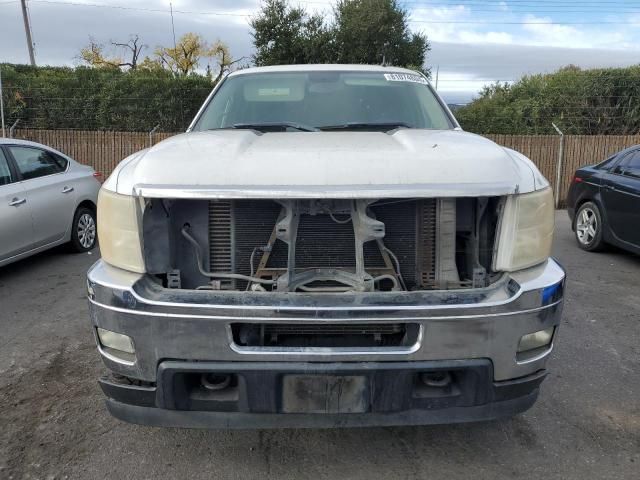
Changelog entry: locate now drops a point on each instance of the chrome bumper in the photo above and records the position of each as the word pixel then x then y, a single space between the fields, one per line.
pixel 195 325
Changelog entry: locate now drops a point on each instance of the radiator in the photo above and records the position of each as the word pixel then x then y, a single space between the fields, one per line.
pixel 237 227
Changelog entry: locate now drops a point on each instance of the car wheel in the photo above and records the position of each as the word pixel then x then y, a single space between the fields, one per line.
pixel 588 227
pixel 83 231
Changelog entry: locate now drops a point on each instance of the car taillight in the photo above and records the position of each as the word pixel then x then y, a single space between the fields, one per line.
pixel 577 179
pixel 98 176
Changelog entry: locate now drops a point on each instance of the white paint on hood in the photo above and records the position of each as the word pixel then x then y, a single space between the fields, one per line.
pixel 347 164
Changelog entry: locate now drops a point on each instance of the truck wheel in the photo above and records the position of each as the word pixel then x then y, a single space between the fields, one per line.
pixel 83 230
pixel 588 227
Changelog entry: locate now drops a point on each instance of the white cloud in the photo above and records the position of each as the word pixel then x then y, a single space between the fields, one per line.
pixel 485 37
pixel 543 31
pixel 444 31
pixel 464 69
pixel 456 24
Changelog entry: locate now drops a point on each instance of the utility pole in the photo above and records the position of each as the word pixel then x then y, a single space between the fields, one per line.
pixel 173 28
pixel 1 102
pixel 437 75
pixel 27 30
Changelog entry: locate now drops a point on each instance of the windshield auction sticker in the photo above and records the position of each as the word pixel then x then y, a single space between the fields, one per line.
pixel 405 77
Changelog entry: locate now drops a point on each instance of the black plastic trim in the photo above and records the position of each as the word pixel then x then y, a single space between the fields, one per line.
pixel 196 419
pixel 256 399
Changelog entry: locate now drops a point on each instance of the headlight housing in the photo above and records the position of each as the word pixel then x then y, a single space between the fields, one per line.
pixel 118 231
pixel 526 231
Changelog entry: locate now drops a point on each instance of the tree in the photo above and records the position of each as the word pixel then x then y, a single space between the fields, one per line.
pixel 377 31
pixel 220 52
pixel 93 54
pixel 318 41
pixel 363 31
pixel 134 48
pixel 185 58
pixel 284 35
pixel 149 64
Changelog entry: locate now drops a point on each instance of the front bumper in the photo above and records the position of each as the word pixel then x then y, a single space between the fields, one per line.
pixel 475 332
pixel 360 394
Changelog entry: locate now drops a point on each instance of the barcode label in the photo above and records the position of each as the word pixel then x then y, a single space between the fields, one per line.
pixel 405 77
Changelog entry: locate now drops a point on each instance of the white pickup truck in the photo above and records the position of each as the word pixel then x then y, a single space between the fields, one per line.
pixel 324 247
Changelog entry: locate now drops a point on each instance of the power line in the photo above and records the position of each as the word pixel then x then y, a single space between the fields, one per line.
pixel 470 3
pixel 481 22
pixel 235 14
pixel 140 9
pixel 506 6
pixel 537 11
pixel 511 2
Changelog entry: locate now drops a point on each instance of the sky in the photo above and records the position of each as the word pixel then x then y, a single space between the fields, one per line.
pixel 473 42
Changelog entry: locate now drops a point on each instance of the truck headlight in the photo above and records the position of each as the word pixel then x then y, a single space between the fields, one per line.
pixel 525 232
pixel 118 232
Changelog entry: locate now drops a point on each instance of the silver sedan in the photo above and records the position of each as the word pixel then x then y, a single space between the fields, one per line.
pixel 46 199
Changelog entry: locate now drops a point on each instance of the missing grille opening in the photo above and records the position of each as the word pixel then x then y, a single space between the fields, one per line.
pixel 322 246
pixel 328 336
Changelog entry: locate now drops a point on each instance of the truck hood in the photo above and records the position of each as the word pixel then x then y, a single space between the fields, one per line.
pixel 248 164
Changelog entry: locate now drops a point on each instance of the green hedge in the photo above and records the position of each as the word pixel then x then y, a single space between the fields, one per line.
pixel 100 99
pixel 603 101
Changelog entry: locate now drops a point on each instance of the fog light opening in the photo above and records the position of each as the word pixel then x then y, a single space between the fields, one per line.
pixel 215 381
pixel 116 346
pixel 535 340
pixel 439 379
pixel 534 346
pixel 116 341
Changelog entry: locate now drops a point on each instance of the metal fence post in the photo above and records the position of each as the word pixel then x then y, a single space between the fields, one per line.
pixel 559 165
pixel 153 130
pixel 13 127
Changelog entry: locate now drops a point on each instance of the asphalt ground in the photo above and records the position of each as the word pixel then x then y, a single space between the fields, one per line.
pixel 586 423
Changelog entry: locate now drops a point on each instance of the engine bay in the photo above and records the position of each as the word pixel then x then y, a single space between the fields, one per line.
pixel 321 245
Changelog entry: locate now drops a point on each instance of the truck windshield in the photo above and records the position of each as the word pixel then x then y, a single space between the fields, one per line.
pixel 324 100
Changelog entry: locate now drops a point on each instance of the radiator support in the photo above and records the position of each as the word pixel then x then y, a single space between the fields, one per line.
pixel 331 245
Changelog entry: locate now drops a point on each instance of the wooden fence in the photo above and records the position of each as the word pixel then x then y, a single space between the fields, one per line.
pixel 104 149
pixel 578 150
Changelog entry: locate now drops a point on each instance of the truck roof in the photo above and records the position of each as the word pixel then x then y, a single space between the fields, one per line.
pixel 323 67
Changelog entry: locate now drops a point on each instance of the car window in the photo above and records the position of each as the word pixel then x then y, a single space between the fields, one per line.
pixel 5 173
pixel 34 162
pixel 632 167
pixel 606 165
pixel 60 160
pixel 619 168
